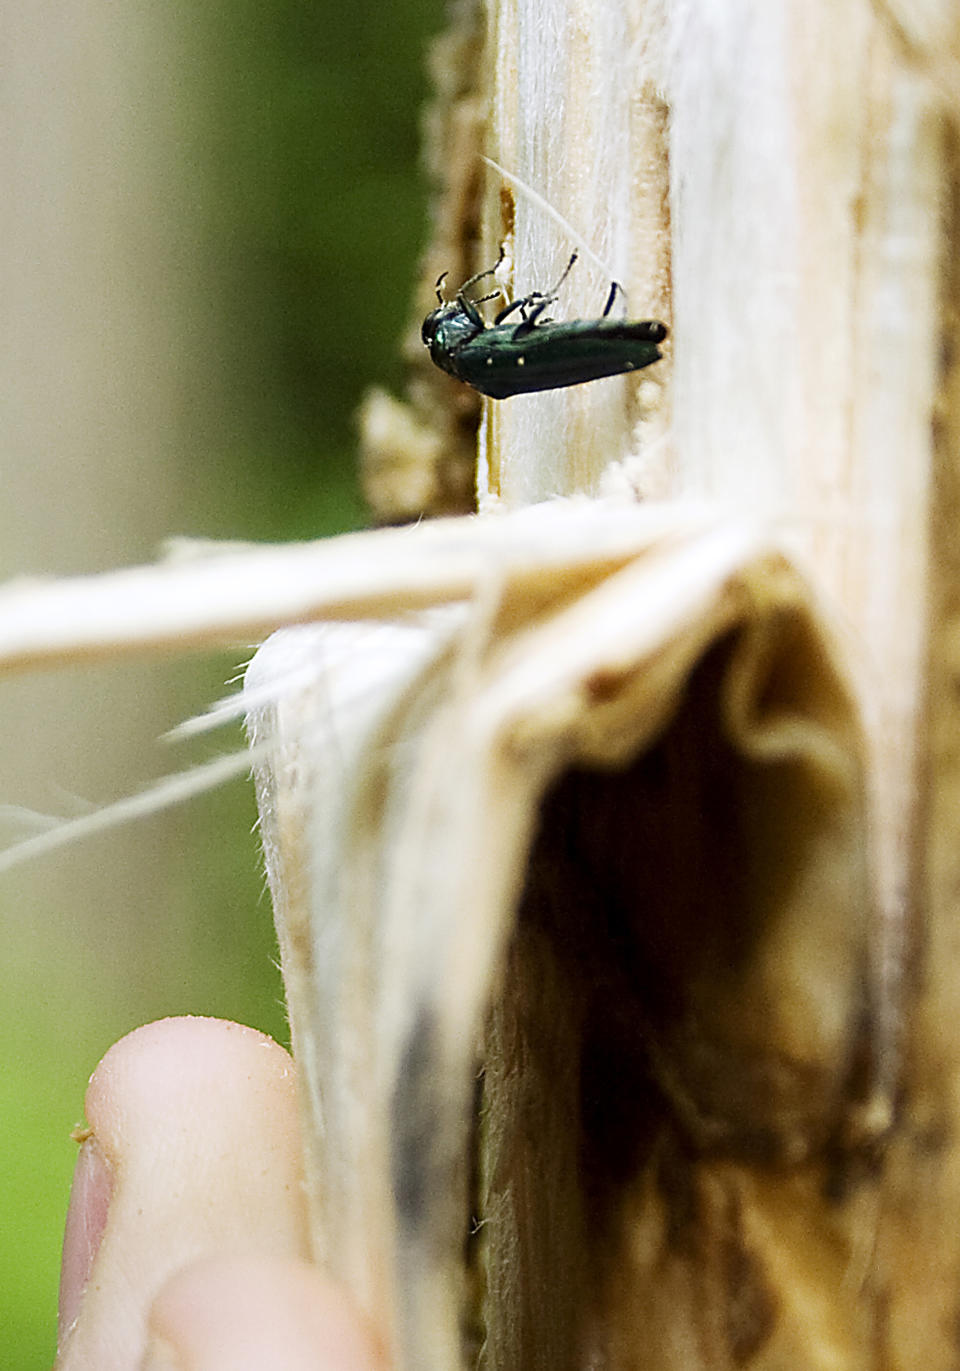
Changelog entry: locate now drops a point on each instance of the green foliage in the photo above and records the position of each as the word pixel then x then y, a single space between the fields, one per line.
pixel 313 218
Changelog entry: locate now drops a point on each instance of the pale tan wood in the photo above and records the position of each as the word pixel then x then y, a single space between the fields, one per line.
pixel 802 234
pixel 766 1174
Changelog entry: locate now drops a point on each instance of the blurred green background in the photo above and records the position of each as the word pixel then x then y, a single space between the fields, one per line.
pixel 211 220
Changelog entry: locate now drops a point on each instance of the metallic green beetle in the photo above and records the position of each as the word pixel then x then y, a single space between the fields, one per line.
pixel 502 359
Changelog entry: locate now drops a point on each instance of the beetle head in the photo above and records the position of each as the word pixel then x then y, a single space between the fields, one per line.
pixel 435 320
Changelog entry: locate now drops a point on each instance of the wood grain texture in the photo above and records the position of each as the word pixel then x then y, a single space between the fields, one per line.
pixel 777 182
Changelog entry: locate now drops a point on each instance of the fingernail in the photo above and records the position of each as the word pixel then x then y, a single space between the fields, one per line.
pixel 86 1220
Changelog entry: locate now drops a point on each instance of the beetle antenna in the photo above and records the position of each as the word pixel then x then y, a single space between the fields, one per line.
pixel 481 274
pixel 440 280
pixel 536 198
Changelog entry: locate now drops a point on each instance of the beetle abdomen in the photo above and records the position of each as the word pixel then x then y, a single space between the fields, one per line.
pixel 508 360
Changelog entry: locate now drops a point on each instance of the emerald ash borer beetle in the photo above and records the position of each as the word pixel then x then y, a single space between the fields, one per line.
pixel 533 353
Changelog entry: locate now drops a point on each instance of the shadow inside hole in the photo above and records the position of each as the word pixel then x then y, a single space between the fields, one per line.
pixel 683 997
pixel 660 919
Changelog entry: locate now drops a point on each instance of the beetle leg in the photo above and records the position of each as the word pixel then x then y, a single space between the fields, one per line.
pixel 615 289
pixel 470 310
pixel 530 320
pixel 551 295
pixel 507 310
pixel 469 307
pixel 566 272
pixel 533 298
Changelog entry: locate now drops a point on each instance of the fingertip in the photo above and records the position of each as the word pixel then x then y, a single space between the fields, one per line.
pixel 247 1313
pixel 179 1058
pixel 195 1125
